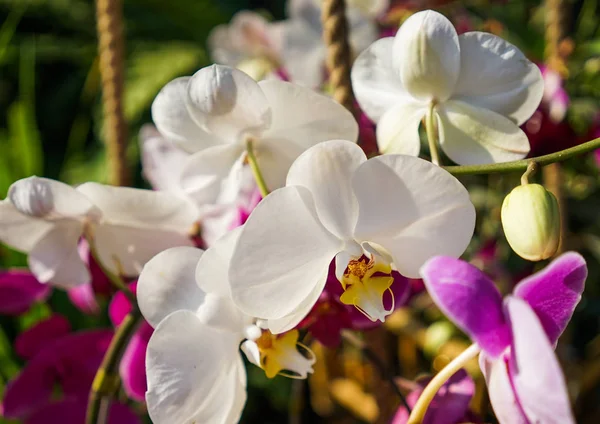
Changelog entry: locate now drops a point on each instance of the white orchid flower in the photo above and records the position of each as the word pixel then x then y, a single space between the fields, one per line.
pixel 127 226
pixel 194 368
pixel 219 111
pixel 476 86
pixel 397 211
pixel 303 52
pixel 249 42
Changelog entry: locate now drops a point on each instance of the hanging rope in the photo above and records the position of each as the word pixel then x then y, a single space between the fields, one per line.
pixel 335 35
pixel 109 15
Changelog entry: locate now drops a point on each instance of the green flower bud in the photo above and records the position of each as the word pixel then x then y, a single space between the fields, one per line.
pixel 531 222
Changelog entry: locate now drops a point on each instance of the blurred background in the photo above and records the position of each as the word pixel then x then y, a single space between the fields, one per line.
pixel 51 124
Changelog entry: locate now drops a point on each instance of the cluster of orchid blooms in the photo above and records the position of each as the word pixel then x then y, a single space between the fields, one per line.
pixel 301 229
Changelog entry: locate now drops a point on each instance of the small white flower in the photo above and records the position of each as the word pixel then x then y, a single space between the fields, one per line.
pixel 396 210
pixel 480 88
pixel 216 112
pixel 194 368
pixel 127 226
pixel 303 52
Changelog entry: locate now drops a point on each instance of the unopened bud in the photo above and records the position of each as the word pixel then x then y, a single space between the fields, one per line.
pixel 531 222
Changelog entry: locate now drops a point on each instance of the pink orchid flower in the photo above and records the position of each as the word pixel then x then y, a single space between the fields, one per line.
pixel 19 290
pixel 516 334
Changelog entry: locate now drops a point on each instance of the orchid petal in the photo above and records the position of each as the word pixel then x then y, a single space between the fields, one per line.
pixel 554 292
pixel 172 119
pixel 29 390
pixel 73 411
pixel 190 366
pixel 326 170
pixel 35 339
pixel 138 208
pixel 414 204
pixel 18 230
pixel 496 75
pixel 535 372
pixel 470 299
pixel 376 84
pixel 227 102
pixel 204 173
pixel 161 160
pixel 502 396
pixel 282 255
pixel 303 53
pixel 427 54
pixel 49 199
pixel 471 135
pixel 19 290
pixel 212 268
pixel 132 368
pixel 167 284
pixel 55 258
pixel 398 129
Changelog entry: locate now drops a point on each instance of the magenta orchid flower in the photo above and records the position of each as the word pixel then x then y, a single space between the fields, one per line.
pixel 19 290
pixel 516 335
pixel 55 356
pixel 450 404
pixel 132 368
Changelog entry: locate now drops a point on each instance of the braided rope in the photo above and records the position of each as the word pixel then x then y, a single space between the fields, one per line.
pixel 109 15
pixel 335 35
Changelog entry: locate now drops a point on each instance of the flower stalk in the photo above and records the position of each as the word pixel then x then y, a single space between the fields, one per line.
pixel 418 413
pixel 258 177
pixel 531 169
pixel 521 165
pixel 432 134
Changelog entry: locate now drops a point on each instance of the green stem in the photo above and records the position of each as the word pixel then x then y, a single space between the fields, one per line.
pixel 258 177
pixel 521 165
pixel 432 134
pixel 420 409
pixel 106 380
pixel 531 169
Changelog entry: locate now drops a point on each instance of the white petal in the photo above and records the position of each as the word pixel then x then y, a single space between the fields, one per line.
pixel 18 230
pixel 138 208
pixel 55 258
pixel 376 83
pixel 304 117
pixel 250 349
pixel 496 75
pixel 227 102
pixel 281 255
pixel 308 11
pixel 124 249
pixel 161 160
pixel 213 268
pixel 398 129
pixel 303 53
pixel 363 30
pixel 204 173
pixel 326 171
pixel 172 119
pixel 275 157
pixel 49 199
pixel 167 284
pixel 413 209
pixel 427 55
pixel 471 135
pixel 193 372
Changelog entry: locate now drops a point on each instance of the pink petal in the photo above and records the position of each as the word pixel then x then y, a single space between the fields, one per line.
pixel 554 292
pixel 72 411
pixel 120 306
pixel 535 372
pixel 470 299
pixel 133 364
pixel 30 342
pixel 19 290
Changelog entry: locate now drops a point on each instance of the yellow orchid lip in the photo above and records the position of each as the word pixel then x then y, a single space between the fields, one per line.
pixel 280 355
pixel 364 289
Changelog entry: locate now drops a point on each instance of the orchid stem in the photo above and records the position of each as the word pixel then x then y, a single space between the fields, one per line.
pixel 420 409
pixel 258 177
pixel 106 380
pixel 531 169
pixel 353 340
pixel 432 134
pixel 521 165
